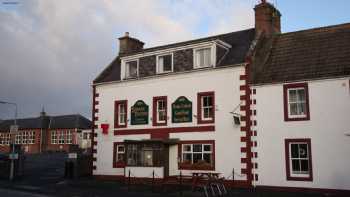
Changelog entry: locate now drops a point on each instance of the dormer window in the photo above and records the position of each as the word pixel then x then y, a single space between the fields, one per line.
pixel 165 63
pixel 203 57
pixel 131 69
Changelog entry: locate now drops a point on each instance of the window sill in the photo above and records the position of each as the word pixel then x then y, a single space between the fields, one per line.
pixel 297 118
pixel 299 178
pixel 193 167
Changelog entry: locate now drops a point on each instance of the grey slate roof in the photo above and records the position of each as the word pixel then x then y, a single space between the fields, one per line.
pixel 240 42
pixel 309 54
pixel 54 122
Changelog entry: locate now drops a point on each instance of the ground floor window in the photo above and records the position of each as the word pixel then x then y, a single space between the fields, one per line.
pixel 61 137
pixel 298 159
pixel 118 155
pixel 5 138
pixel 144 154
pixel 197 155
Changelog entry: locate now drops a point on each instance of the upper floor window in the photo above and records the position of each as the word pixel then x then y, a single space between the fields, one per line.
pixel 206 107
pixel 165 63
pixel 160 111
pixel 203 57
pixel 298 158
pixel 296 102
pixel 5 138
pixel 53 137
pixel 120 115
pixel 131 69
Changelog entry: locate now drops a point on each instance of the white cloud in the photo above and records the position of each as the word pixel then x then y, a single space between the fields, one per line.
pixel 52 50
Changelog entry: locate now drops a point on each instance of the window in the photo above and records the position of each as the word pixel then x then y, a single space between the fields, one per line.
pixel 5 138
pixel 60 136
pixel 120 114
pixel 18 138
pixel 119 155
pixel 24 137
pixel 69 137
pixel 160 111
pixel 144 154
pixel 165 63
pixel 203 57
pixel 206 107
pixel 131 69
pixel 197 155
pixel 296 102
pixel 53 137
pixel 298 159
pixel 85 136
pixel 31 137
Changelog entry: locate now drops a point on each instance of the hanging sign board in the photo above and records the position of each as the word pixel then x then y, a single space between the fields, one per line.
pixel 181 110
pixel 139 113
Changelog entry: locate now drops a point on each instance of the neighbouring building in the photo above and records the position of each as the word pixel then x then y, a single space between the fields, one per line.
pixel 274 107
pixel 47 133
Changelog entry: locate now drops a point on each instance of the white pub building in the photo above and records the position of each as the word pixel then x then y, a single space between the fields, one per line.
pixel 272 107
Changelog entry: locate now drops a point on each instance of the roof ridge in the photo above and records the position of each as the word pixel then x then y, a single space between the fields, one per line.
pixel 317 28
pixel 186 41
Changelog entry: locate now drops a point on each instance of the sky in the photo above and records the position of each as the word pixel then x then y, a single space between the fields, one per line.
pixel 51 50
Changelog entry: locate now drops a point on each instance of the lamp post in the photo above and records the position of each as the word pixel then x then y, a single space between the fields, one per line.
pixel 12 169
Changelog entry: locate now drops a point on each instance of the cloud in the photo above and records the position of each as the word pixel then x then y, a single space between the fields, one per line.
pixel 51 50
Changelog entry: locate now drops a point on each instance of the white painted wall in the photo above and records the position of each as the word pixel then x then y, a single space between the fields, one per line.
pixel 145 172
pixel 329 122
pixel 225 82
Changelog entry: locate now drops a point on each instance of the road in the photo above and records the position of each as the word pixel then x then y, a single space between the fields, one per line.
pixel 14 193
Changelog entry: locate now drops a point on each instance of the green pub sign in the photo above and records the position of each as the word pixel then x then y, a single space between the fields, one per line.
pixel 181 110
pixel 139 113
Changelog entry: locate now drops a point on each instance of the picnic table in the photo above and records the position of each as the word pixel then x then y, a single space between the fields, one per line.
pixel 208 180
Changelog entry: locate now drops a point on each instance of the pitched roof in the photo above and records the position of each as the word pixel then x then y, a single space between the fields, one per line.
pixel 309 54
pixel 240 42
pixel 69 121
pixel 54 122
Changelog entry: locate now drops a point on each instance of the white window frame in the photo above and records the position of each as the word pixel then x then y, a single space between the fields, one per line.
pixel 163 110
pixel 61 137
pixel 18 138
pixel 212 48
pixel 120 114
pixel 69 137
pixel 288 103
pixel 302 174
pixel 117 152
pixel 202 107
pixel 126 68
pixel 157 63
pixel 203 151
pixel 54 137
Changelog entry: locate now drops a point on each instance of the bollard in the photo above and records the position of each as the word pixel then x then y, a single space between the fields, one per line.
pixel 153 181
pixel 181 183
pixel 233 176
pixel 129 181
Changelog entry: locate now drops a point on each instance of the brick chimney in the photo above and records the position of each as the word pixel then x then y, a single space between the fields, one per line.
pixel 267 19
pixel 128 44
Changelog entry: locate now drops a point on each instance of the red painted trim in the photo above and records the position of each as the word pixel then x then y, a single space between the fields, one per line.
pixel 160 135
pixel 304 189
pixel 199 107
pixel 93 123
pixel 165 130
pixel 116 113
pixel 247 128
pixel 115 149
pixel 285 101
pixel 212 142
pixel 94 167
pixel 242 77
pixel 155 114
pixel 288 174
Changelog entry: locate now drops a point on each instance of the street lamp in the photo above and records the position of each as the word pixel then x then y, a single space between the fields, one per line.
pixel 13 143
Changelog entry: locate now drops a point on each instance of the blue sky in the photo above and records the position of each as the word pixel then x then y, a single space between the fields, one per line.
pixel 51 50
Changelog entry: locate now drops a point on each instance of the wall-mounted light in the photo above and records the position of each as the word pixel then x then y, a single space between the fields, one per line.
pixel 236 118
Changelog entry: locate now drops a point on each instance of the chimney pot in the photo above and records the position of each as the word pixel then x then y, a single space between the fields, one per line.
pixel 126 34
